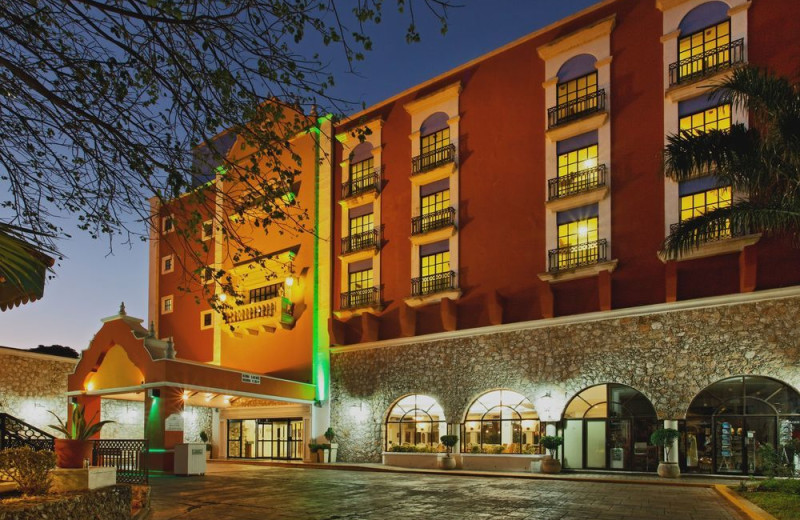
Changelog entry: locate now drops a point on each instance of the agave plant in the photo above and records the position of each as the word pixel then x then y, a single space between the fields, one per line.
pixel 77 429
pixel 22 265
pixel 761 161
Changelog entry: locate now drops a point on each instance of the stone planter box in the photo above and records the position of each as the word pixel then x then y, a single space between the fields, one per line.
pixel 109 503
pixel 65 480
pixel 416 460
pixel 501 462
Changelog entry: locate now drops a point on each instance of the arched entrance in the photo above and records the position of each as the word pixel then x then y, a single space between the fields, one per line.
pixel 729 420
pixel 608 427
pixel 500 421
pixel 415 422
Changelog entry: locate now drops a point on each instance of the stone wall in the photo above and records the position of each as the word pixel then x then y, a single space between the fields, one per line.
pixel 669 356
pixel 33 384
pixel 128 417
pixel 110 503
pixel 196 420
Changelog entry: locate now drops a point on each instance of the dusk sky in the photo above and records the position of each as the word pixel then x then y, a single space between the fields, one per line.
pixel 91 282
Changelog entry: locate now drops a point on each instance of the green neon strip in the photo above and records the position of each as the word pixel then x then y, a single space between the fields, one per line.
pixel 321 361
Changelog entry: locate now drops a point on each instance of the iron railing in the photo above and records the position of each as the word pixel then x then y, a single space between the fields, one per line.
pixel 432 221
pixel 360 241
pixel 129 456
pixel 714 234
pixel 707 63
pixel 360 185
pixel 369 297
pixel 433 283
pixel 16 433
pixel 578 182
pixel 576 109
pixel 580 255
pixel 433 159
pixel 262 309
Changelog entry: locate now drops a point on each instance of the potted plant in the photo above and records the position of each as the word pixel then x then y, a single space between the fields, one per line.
pixel 332 447
pixel 664 437
pixel 317 452
pixel 204 438
pixel 448 462
pixel 551 443
pixel 76 446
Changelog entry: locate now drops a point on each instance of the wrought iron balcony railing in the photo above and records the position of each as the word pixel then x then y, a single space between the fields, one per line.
pixel 432 221
pixel 433 283
pixel 433 159
pixel 361 184
pixel 715 234
pixel 578 182
pixel 360 242
pixel 579 255
pixel 576 109
pixel 707 63
pixel 360 298
pixel 276 307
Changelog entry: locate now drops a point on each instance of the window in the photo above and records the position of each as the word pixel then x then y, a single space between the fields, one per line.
pixel 571 91
pixel 716 118
pixel 168 224
pixel 359 280
pixel 361 175
pixel 435 273
pixel 206 275
pixel 361 224
pixel 435 141
pixel 266 292
pixel 208 229
pixel 206 320
pixel 696 204
pixel 166 304
pixel 577 243
pixel 501 421
pixel 699 49
pixel 577 170
pixel 167 264
pixel 415 421
pixel 430 204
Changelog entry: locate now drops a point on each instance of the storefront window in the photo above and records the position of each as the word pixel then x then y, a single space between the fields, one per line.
pixel 608 427
pixel 501 421
pixel 415 423
pixel 730 421
pixel 265 438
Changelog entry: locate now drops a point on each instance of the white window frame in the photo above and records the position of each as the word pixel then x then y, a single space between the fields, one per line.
pixel 169 298
pixel 168 219
pixel 164 260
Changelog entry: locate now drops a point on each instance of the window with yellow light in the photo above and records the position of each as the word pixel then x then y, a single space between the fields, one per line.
pixel 698 48
pixel 715 118
pixel 578 240
pixel 696 204
pixel 576 170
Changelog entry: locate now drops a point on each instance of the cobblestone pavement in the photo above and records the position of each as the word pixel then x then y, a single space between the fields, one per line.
pixel 230 492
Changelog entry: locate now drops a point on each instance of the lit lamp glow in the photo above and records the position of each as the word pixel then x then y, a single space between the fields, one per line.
pixel 289 281
pixel 223 297
pixel 583 231
pixel 589 163
pixel 90 386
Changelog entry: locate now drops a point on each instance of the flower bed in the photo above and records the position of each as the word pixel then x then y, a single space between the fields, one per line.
pixel 110 503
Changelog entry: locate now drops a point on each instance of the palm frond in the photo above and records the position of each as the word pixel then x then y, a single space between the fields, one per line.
pixel 768 97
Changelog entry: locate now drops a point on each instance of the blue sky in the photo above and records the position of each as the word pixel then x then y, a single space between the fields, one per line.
pixel 95 277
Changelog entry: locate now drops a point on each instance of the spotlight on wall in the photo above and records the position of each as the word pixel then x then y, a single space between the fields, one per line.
pixel 359 412
pixel 155 393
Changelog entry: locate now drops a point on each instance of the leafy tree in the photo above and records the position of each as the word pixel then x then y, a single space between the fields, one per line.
pixel 761 161
pixel 108 102
pixel 56 350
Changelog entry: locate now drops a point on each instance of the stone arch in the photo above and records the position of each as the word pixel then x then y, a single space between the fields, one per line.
pixel 576 66
pixel 704 15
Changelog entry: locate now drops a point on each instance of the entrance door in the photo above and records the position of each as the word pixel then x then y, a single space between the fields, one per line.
pixel 729 439
pixel 264 439
pixel 760 431
pixel 281 440
pixel 596 443
pixel 296 440
pixel 619 435
pixel 234 438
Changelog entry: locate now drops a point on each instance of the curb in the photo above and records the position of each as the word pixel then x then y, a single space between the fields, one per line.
pixel 749 509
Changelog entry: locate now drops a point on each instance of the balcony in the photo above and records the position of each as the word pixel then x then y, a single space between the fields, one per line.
pixel 581 255
pixel 707 64
pixel 360 298
pixel 265 315
pixel 432 227
pixel 430 161
pixel 577 189
pixel 720 241
pixel 576 109
pixel 362 245
pixel 361 190
pixel 434 283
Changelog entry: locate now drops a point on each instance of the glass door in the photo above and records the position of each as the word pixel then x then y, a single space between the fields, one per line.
pixel 296 440
pixel 729 439
pixel 760 431
pixel 280 445
pixel 234 438
pixel 264 446
pixel 596 443
pixel 619 433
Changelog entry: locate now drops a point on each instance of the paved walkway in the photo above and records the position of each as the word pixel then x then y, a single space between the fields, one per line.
pixel 249 492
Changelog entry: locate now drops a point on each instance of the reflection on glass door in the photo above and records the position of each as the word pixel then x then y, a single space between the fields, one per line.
pixel 234 438
pixel 619 432
pixel 730 444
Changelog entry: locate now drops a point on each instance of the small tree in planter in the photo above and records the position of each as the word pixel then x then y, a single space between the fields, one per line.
pixel 333 447
pixel 204 438
pixel 664 437
pixel 551 443
pixel 448 462
pixel 76 446
pixel 29 469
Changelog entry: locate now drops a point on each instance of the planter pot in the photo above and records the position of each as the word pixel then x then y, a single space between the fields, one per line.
pixel 333 452
pixel 320 456
pixel 551 465
pixel 446 462
pixel 669 470
pixel 71 453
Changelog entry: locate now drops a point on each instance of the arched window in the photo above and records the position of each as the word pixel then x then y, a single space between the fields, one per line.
pixel 434 143
pixel 705 45
pixel 577 92
pixel 415 423
pixel 501 421
pixel 362 169
pixel 730 420
pixel 608 426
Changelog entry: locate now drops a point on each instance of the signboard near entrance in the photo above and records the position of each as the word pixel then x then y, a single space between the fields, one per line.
pixel 251 378
pixel 173 423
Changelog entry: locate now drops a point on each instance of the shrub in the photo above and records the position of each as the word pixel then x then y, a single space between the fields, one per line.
pixel 449 441
pixel 664 437
pixel 551 443
pixel 772 464
pixel 329 434
pixel 29 469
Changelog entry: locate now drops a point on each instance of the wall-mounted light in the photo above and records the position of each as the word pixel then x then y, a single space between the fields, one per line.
pixel 289 281
pixel 359 412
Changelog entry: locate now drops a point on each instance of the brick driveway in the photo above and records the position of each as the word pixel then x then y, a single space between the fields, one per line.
pixel 230 492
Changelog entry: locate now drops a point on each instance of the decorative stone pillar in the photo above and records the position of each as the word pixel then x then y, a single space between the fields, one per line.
pixel 673 450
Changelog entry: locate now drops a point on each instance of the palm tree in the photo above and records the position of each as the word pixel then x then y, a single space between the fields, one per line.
pixel 22 267
pixel 761 162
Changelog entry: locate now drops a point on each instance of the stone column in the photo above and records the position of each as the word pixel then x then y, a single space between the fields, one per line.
pixel 159 405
